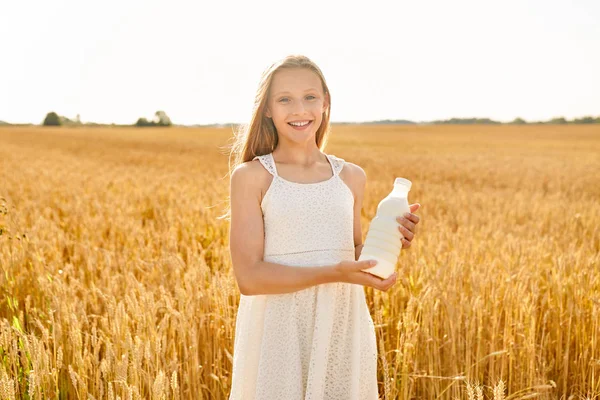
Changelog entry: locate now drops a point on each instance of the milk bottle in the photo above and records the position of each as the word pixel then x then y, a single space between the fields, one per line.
pixel 383 238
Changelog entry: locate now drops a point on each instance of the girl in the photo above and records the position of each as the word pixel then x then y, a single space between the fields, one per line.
pixel 303 329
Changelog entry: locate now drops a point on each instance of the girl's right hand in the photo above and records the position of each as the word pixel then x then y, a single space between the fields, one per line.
pixel 352 272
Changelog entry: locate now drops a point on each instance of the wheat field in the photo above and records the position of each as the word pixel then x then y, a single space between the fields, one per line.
pixel 116 280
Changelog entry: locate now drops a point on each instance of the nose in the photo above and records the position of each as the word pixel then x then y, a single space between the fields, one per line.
pixel 298 108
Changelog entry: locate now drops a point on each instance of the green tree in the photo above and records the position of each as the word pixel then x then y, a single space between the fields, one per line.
pixel 560 120
pixel 585 120
pixel 162 119
pixel 52 119
pixel 143 122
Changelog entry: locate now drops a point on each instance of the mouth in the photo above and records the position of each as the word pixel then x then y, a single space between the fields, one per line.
pixel 302 125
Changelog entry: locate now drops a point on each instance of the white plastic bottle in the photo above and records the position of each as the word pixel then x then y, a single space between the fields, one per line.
pixel 383 238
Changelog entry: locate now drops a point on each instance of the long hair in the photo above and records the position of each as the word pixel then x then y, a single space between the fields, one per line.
pixel 260 137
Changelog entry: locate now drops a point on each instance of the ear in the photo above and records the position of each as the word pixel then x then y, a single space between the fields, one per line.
pixel 267 113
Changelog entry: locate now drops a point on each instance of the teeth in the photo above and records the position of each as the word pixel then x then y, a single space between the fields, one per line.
pixel 299 123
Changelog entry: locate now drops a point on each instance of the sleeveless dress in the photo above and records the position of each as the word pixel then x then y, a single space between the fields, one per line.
pixel 317 343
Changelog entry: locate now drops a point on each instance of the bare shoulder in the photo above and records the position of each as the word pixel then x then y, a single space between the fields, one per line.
pixel 248 169
pixel 251 169
pixel 251 177
pixel 357 173
pixel 355 177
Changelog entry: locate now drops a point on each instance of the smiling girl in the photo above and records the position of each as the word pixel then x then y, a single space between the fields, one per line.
pixel 303 328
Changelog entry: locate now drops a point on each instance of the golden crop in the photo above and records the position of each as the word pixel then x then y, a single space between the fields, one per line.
pixel 115 276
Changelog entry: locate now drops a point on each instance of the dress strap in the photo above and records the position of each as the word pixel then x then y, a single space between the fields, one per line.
pixel 336 162
pixel 268 162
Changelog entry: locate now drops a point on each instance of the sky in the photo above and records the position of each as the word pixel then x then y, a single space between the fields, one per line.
pixel 201 61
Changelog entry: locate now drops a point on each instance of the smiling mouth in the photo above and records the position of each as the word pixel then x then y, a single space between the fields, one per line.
pixel 300 125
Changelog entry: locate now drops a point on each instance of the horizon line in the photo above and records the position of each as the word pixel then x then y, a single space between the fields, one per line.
pixel 390 120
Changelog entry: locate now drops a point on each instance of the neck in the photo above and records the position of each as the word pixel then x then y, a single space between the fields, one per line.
pixel 297 156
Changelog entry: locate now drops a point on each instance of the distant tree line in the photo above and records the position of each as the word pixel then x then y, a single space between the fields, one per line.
pixel 53 119
pixel 559 120
pixel 462 121
pixel 485 121
pixel 162 119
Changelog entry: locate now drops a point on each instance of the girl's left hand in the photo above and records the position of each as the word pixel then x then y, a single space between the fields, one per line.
pixel 408 224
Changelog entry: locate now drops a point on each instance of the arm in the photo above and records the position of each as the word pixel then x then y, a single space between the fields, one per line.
pixel 358 183
pixel 357 251
pixel 246 243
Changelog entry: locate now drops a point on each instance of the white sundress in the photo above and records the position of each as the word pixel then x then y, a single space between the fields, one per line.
pixel 317 343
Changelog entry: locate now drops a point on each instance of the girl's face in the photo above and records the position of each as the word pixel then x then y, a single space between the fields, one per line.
pixel 296 95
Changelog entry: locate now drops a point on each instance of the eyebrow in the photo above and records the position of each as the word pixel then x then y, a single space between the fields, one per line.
pixel 307 90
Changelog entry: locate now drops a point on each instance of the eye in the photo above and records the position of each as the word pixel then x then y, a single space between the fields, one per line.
pixel 310 97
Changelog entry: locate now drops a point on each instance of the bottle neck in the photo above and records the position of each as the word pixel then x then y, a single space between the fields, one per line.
pixel 400 191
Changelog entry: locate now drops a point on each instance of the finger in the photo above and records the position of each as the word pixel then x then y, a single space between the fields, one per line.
pixel 406 243
pixel 406 223
pixel 392 283
pixel 412 217
pixel 414 207
pixel 390 278
pixel 388 283
pixel 408 235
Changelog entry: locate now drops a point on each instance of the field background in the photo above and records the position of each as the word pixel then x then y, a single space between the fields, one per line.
pixel 116 281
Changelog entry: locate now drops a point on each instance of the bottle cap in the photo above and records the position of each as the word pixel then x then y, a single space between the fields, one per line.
pixel 403 182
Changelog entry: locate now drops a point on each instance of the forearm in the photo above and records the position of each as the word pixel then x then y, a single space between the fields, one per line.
pixel 273 278
pixel 357 251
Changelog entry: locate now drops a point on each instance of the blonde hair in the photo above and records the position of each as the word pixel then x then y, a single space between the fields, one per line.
pixel 260 137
